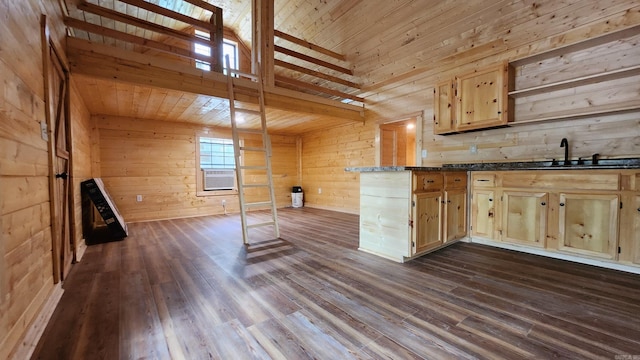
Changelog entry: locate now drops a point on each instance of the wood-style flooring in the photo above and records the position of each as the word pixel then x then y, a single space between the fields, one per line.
pixel 189 289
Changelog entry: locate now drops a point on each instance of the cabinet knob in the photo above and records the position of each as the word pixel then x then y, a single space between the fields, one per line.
pixel 561 204
pixel 638 209
pixel 490 199
pixel 543 203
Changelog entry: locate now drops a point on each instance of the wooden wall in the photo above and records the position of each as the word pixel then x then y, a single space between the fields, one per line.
pixel 402 75
pixel 325 154
pixel 26 280
pixel 156 159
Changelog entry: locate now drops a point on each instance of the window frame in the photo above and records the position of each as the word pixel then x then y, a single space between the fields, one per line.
pixel 200 191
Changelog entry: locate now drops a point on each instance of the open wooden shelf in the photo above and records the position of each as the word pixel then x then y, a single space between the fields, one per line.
pixel 571 114
pixel 579 81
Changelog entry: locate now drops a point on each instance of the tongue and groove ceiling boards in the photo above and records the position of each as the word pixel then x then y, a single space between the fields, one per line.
pixel 332 58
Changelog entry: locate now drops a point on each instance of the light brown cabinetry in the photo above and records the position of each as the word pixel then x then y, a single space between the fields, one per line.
pixel 427 221
pixel 635 233
pixel 524 217
pixel 404 214
pixel 481 101
pixel 584 215
pixel 588 224
pixel 444 109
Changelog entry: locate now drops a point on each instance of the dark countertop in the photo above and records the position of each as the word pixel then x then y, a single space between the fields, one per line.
pixel 629 163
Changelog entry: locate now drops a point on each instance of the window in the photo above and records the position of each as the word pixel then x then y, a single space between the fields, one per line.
pixel 229 48
pixel 216 153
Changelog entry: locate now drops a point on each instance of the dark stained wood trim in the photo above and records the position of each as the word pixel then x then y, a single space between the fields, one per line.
pixel 309 45
pixel 312 60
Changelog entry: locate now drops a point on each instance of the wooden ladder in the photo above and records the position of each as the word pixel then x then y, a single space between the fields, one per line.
pixel 261 167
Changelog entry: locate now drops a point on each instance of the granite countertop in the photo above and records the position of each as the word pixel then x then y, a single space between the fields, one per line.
pixel 628 163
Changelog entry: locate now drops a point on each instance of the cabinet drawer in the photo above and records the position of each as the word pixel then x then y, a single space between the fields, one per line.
pixel 455 180
pixel 428 182
pixel 575 180
pixel 483 180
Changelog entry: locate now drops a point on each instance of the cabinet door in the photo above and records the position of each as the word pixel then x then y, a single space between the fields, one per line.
pixel 427 221
pixel 455 224
pixel 636 231
pixel 588 224
pixel 482 98
pixel 443 108
pixel 524 217
pixel 482 213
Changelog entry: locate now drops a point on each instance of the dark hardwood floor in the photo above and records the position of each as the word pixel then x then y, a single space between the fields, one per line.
pixel 189 289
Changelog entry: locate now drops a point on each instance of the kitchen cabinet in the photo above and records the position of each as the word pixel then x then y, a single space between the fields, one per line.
pixel 482 98
pixel 427 221
pixel 483 204
pixel 524 217
pixel 444 109
pixel 588 224
pixel 407 213
pixel 477 100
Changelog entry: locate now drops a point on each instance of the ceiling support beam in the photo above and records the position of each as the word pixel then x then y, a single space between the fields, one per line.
pixel 109 62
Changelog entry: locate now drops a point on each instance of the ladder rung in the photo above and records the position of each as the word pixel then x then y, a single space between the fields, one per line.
pixel 261 203
pixel 252 167
pixel 267 223
pixel 248 111
pixel 243 74
pixel 250 131
pixel 249 148
pixel 255 185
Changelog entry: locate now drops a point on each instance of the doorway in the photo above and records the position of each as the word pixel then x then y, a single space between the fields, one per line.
pixel 398 143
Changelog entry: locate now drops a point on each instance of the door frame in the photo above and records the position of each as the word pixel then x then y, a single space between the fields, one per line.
pixel 417 116
pixel 49 47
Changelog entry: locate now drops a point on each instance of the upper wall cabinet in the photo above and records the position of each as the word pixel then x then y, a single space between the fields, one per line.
pixel 482 98
pixel 473 101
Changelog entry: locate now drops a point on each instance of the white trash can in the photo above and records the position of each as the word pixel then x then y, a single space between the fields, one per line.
pixel 297 197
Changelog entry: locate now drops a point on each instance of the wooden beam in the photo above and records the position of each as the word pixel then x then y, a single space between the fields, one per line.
pixel 309 45
pixel 169 13
pixel 119 35
pixel 132 20
pixel 105 61
pixel 262 42
pixel 313 60
pixel 305 85
pixel 205 5
pixel 317 74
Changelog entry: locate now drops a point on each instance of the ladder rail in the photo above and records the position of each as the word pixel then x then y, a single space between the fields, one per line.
pixel 266 150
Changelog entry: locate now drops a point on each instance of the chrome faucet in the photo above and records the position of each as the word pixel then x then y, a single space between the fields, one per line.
pixel 565 144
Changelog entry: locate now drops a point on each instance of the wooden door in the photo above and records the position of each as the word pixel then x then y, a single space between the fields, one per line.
pixel 388 148
pixel 524 217
pixel 443 112
pixel 397 145
pixel 483 213
pixel 482 98
pixel 427 222
pixel 455 210
pixel 588 224
pixel 58 120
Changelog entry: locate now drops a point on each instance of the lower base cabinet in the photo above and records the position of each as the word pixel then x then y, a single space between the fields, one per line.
pixel 427 221
pixel 590 215
pixel 589 224
pixel 524 217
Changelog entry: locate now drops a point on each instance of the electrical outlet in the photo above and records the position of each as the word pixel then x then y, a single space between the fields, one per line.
pixel 319 190
pixel 424 153
pixel 473 149
pixel 44 132
pixel 138 198
pixel 224 202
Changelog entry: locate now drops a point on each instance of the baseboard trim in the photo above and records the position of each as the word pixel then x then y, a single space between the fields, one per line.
pixel 25 349
pixel 541 252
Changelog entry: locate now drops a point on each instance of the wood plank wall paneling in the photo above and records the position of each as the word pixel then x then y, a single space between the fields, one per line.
pixel 26 279
pixel 83 137
pixel 156 159
pixel 325 154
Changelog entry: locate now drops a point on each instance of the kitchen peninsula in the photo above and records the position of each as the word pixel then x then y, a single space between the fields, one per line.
pixel 582 211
